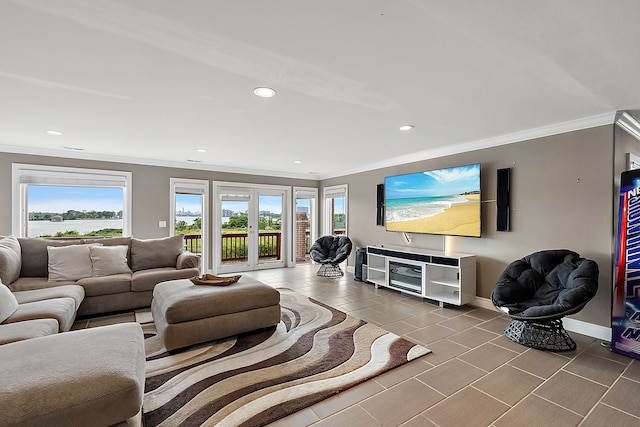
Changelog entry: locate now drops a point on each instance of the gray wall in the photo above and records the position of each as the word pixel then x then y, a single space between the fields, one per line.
pixel 561 197
pixel 150 193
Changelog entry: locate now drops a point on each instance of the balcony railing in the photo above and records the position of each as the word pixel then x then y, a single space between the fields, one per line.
pixel 193 243
pixel 234 245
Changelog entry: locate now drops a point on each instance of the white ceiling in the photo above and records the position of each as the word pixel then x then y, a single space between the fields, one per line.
pixel 151 81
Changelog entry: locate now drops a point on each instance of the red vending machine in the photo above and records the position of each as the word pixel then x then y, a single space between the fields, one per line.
pixel 625 311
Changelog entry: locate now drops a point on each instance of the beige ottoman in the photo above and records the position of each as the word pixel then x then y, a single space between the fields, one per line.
pixel 187 314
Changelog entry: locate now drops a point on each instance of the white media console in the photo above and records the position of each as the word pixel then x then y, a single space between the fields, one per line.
pixel 447 278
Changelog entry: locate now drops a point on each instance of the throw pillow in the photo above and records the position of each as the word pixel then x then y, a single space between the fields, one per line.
pixel 34 255
pixel 10 259
pixel 108 260
pixel 69 263
pixel 156 253
pixel 8 303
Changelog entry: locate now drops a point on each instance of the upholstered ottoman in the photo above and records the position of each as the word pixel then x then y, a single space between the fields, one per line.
pixel 187 314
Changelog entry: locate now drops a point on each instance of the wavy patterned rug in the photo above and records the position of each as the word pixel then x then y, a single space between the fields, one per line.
pixel 253 379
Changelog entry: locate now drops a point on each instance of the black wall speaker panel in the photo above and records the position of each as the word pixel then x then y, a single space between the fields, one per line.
pixel 503 197
pixel 361 260
pixel 380 205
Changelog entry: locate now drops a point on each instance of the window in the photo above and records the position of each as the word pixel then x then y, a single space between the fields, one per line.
pixel 305 229
pixel 335 209
pixel 68 202
pixel 190 215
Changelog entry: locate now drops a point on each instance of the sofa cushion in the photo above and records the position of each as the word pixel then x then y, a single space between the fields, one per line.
pixel 156 253
pixel 75 292
pixel 91 377
pixel 105 285
pixel 69 263
pixel 146 280
pixel 108 260
pixel 32 283
pixel 61 309
pixel 8 303
pixel 12 332
pixel 10 259
pixel 35 258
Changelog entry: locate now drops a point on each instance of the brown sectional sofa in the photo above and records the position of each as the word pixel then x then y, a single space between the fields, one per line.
pixel 58 279
pixel 92 376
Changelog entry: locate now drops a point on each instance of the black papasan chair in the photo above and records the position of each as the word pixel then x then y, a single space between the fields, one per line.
pixel 329 251
pixel 541 288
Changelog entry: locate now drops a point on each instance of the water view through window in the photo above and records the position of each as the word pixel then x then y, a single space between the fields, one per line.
pixel 74 211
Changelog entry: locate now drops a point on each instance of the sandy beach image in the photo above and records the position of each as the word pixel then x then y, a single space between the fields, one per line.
pixel 459 219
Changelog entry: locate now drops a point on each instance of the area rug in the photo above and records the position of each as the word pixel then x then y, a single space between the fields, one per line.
pixel 253 379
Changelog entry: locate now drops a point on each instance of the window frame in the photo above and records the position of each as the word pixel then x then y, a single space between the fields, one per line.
pixel 333 192
pixel 192 186
pixel 25 174
pixel 312 194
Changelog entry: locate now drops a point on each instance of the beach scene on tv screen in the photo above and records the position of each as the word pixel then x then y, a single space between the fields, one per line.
pixel 444 201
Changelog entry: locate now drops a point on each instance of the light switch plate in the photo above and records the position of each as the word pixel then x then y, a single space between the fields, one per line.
pixel 162 224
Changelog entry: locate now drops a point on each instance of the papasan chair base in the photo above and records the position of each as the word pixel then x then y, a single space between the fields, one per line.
pixel 329 270
pixel 549 336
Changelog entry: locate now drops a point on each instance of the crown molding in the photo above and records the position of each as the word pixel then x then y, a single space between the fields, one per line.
pixel 540 132
pixel 149 162
pixel 555 129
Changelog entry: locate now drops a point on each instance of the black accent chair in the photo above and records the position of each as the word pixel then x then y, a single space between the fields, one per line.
pixel 330 251
pixel 538 290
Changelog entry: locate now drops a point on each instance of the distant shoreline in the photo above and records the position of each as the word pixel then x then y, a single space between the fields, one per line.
pixel 76 219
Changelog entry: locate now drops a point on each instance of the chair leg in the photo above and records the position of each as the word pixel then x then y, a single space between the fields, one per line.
pixel 549 336
pixel 330 270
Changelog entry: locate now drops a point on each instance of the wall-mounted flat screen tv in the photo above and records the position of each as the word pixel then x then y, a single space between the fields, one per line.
pixel 443 201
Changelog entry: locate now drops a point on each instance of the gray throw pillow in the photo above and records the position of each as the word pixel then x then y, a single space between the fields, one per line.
pixel 69 263
pixel 35 257
pixel 108 260
pixel 10 259
pixel 155 253
pixel 8 303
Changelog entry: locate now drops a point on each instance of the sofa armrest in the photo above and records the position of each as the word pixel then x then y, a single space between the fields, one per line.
pixel 188 260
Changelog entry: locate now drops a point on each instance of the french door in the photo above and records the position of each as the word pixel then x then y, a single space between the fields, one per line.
pixel 251 227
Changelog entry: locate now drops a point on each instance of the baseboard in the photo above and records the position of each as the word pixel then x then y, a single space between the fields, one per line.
pixel 572 325
pixel 351 269
pixel 588 329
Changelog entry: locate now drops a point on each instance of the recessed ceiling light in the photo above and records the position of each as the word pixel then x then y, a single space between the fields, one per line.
pixel 53 132
pixel 406 127
pixel 264 92
pixel 297 162
pixel 201 150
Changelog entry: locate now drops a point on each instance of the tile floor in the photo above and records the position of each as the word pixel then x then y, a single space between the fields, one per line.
pixel 474 377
